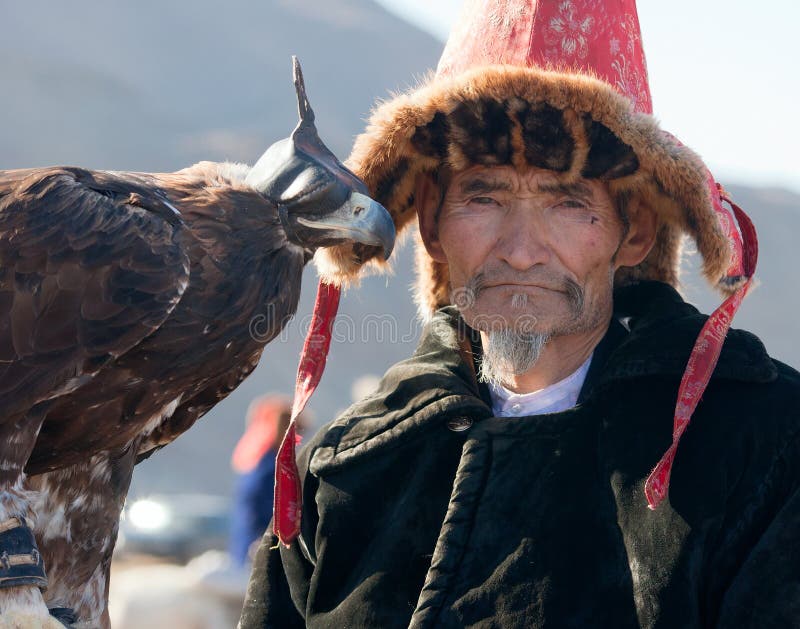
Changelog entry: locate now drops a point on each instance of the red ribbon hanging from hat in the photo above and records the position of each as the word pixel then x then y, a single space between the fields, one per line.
pixel 704 356
pixel 288 503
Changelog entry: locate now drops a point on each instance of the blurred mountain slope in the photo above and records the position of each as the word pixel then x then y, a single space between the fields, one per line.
pixel 157 85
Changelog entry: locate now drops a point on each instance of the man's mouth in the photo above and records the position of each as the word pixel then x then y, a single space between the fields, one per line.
pixel 518 286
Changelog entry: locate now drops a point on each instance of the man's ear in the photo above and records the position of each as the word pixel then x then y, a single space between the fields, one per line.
pixel 428 202
pixel 641 236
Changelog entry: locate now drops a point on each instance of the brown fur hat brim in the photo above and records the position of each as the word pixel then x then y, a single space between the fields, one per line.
pixel 572 124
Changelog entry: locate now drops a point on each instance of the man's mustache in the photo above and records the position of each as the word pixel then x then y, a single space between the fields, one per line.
pixel 543 278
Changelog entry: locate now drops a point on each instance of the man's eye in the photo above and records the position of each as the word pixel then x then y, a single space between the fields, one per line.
pixel 572 203
pixel 483 200
pixel 575 210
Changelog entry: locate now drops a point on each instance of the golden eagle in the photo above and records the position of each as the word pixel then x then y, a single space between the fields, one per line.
pixel 126 302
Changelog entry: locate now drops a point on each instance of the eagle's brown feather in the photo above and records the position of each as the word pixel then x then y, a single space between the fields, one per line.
pixel 126 303
pixel 84 277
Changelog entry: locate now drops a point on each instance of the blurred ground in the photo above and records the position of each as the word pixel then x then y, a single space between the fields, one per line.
pixel 152 593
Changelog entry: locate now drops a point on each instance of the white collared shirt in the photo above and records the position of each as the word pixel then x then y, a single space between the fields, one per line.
pixel 557 397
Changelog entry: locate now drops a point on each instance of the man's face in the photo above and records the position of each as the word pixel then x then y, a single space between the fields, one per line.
pixel 527 252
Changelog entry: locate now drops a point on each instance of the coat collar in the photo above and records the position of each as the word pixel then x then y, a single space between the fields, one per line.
pixel 651 334
pixel 436 384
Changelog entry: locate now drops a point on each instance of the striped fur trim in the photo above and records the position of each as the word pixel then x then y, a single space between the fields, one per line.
pixel 572 124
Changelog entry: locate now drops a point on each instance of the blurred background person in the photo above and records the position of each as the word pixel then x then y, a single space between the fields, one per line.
pixel 254 461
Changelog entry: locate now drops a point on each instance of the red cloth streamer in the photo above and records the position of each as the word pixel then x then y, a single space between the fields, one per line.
pixel 288 504
pixel 703 358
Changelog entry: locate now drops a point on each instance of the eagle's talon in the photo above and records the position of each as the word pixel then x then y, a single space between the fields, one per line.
pixel 24 608
pixel 65 615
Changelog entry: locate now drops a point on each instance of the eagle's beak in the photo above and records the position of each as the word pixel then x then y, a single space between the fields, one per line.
pixel 361 219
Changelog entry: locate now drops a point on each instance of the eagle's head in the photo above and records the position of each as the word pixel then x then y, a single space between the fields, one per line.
pixel 320 202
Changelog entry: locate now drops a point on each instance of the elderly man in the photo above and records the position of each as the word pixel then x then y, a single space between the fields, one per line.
pixel 533 464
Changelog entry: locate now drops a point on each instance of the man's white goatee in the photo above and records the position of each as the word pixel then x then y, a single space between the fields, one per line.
pixel 510 351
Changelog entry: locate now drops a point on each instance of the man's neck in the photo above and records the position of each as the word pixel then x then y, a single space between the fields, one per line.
pixel 560 357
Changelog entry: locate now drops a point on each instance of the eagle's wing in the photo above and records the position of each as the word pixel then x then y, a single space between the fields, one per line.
pixel 194 406
pixel 90 264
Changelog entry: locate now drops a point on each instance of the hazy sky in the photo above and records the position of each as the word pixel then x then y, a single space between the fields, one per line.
pixel 724 79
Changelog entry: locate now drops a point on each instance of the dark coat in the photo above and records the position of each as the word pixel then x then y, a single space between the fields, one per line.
pixel 423 509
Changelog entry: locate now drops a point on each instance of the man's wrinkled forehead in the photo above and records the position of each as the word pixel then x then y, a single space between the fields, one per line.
pixel 483 179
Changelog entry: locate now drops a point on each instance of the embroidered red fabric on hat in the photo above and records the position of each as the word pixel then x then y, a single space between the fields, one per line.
pixel 601 38
pixel 288 502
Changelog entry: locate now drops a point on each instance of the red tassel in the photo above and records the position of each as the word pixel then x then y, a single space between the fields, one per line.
pixel 703 358
pixel 288 503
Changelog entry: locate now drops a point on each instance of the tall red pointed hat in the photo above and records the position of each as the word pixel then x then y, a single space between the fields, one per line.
pixel 562 85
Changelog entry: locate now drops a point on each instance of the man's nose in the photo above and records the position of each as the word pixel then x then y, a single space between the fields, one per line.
pixel 524 241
